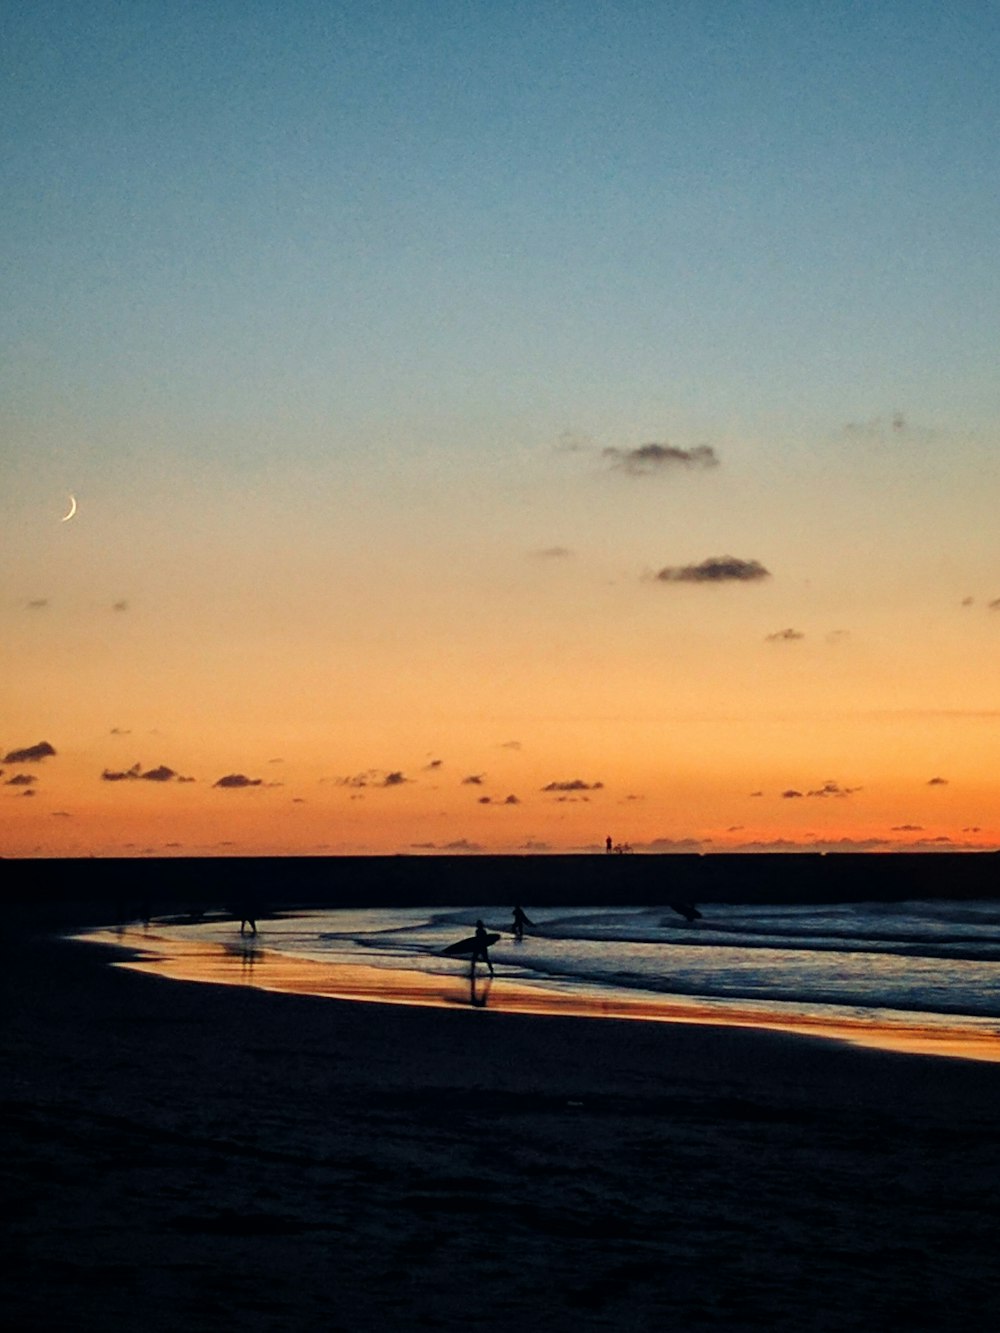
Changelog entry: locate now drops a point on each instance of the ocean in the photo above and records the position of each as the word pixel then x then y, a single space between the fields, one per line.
pixel 927 963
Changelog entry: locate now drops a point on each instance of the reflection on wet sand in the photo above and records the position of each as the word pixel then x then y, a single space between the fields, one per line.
pixel 246 964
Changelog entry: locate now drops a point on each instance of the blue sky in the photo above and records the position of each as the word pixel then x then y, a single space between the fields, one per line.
pixel 351 300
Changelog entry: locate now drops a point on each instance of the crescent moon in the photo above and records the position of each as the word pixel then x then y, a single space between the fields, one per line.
pixel 72 510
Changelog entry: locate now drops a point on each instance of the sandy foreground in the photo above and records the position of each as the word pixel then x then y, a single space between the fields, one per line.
pixel 210 1156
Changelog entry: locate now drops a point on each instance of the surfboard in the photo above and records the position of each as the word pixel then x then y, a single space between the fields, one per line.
pixel 468 945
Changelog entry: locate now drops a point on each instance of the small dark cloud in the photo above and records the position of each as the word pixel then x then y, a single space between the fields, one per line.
pixel 790 795
pixel 510 745
pixel 552 553
pixel 485 800
pixel 394 779
pixel 576 784
pixel 533 845
pixel 61 814
pixel 298 800
pixel 654 457
pixel 907 828
pixel 994 605
pixel 716 569
pixel 462 845
pixel 32 754
pixel 784 636
pixel 121 731
pixel 435 763
pixel 756 793
pixel 160 774
pixel 937 782
pixel 21 780
pixel 972 828
pixel 831 788
pixel 373 778
pixel 30 792
pixel 232 780
pixel 511 800
pixel 276 761
pixel 36 604
pixel 967 601
pixel 473 780
pixel 120 606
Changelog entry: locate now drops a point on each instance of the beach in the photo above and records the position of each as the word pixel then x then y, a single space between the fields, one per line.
pixel 215 1156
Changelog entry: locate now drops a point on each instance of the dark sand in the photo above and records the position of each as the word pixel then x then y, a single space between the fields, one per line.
pixel 191 1156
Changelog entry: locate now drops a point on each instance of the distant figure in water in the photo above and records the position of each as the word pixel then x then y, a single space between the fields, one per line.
pixel 248 919
pixel 608 844
pixel 481 953
pixel 520 921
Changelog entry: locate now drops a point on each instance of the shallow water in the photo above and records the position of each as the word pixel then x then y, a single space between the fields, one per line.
pixel 929 963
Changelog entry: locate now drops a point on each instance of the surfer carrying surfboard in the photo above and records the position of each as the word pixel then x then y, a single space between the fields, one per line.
pixel 481 950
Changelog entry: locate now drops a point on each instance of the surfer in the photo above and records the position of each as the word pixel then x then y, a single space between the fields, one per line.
pixel 481 949
pixel 520 921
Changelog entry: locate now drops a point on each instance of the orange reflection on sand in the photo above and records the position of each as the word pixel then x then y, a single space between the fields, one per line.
pixel 247 964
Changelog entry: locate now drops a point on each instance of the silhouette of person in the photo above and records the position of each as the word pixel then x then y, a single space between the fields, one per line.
pixel 248 920
pixel 481 953
pixel 608 843
pixel 520 921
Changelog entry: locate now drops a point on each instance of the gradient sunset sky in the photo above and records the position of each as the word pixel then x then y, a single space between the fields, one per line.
pixel 500 426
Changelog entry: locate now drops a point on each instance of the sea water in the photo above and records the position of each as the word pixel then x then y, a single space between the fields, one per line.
pixel 937 962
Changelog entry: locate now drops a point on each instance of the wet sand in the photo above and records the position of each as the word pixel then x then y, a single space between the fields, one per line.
pixel 248 962
pixel 215 1156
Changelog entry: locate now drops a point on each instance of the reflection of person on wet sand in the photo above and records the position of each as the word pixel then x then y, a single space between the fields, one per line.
pixel 481 952
pixel 520 921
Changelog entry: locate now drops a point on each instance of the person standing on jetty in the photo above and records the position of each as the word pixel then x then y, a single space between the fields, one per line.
pixel 520 921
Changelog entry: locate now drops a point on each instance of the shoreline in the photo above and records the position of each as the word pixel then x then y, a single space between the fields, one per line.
pixel 257 967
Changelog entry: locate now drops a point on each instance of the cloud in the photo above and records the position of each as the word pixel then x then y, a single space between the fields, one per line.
pixel 649 458
pixel 576 784
pixel 716 569
pixel 831 788
pixel 511 800
pixel 552 553
pixel 672 845
pixel 32 754
pixel 462 845
pixel 30 792
pixel 37 604
pixel 784 636
pixel 374 777
pixel 160 774
pixel 790 795
pixel 907 828
pixel 994 605
pixel 937 782
pixel 485 800
pixel 120 606
pixel 533 845
pixel 967 601
pixel 121 731
pixel 510 745
pixel 435 763
pixel 473 780
pixel 233 780
pixel 21 780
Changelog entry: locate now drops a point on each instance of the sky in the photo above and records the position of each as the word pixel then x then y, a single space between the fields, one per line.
pixel 499 427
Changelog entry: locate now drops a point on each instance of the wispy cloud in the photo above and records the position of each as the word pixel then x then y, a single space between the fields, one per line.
pixel 237 780
pixel 552 553
pixel 21 780
pixel 31 754
pixel 831 788
pixel 574 784
pixel 784 636
pixel 36 604
pixel 473 780
pixel 655 457
pixel 994 605
pixel 716 569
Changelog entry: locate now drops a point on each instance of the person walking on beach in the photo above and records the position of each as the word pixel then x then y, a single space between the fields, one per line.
pixel 481 951
pixel 520 921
